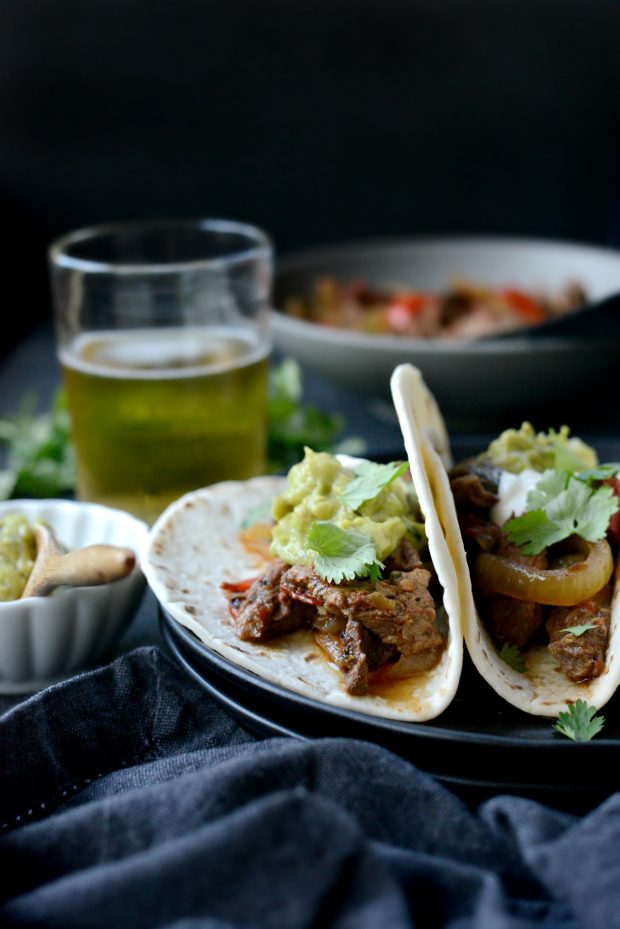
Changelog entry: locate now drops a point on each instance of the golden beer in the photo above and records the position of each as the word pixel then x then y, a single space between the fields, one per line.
pixel 159 412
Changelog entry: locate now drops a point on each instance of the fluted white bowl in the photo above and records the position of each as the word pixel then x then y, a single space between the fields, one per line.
pixel 45 639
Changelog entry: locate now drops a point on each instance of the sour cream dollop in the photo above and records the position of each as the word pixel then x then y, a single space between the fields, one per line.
pixel 512 492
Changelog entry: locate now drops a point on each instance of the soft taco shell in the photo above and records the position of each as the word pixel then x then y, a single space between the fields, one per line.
pixel 543 690
pixel 195 546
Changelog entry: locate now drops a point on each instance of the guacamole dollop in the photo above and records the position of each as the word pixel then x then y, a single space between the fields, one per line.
pixel 313 493
pixel 17 554
pixel 516 450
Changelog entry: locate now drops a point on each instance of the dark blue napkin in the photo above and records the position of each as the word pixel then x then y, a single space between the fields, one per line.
pixel 128 798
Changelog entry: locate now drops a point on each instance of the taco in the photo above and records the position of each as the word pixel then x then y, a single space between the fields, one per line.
pixel 532 524
pixel 335 582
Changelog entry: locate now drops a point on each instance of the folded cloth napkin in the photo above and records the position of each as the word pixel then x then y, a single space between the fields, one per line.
pixel 129 798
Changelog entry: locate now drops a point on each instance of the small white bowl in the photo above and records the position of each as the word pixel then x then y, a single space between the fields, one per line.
pixel 45 639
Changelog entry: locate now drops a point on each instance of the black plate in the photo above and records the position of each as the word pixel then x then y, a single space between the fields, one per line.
pixel 479 743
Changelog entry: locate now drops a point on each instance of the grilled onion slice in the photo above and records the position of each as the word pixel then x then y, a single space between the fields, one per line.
pixel 565 586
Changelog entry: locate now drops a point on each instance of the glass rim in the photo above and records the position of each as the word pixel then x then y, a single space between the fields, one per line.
pixel 259 246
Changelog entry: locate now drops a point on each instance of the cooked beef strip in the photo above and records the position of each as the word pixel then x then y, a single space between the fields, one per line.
pixel 581 657
pixel 508 620
pixel 404 558
pixel 479 534
pixel 264 613
pixel 362 625
pixel 400 610
pixel 474 484
pixel 356 651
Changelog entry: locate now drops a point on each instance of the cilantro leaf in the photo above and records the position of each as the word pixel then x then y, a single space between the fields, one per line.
pixel 512 656
pixel 550 486
pixel 579 630
pixel 560 505
pixel 370 479
pixel 531 532
pixel 292 424
pixel 342 554
pixel 579 722
pixel 601 472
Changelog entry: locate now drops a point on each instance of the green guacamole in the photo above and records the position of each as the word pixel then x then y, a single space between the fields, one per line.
pixel 518 449
pixel 17 553
pixel 314 488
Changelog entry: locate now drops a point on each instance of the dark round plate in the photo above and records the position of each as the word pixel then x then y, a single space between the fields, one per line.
pixel 479 742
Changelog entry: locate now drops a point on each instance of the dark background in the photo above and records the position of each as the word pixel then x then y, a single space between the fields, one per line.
pixel 320 120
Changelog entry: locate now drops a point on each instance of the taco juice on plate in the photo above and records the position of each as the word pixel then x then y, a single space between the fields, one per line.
pixel 537 515
pixel 350 596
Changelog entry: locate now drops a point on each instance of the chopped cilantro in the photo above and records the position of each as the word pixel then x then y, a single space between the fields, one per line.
pixel 39 454
pixel 370 479
pixel 293 424
pixel 579 722
pixel 342 554
pixel 512 656
pixel 561 505
pixel 579 630
pixel 601 472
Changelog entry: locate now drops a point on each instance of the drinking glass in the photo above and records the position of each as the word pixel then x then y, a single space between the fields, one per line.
pixel 162 336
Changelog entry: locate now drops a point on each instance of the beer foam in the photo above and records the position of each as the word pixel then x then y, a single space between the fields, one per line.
pixel 162 354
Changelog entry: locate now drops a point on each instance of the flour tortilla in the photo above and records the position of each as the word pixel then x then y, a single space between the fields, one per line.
pixel 194 546
pixel 543 690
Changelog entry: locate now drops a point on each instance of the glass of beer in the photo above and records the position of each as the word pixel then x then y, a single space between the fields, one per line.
pixel 162 333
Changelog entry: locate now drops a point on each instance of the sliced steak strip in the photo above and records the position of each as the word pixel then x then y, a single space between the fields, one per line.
pixel 405 558
pixel 581 657
pixel 474 485
pixel 263 612
pixel 400 610
pixel 510 621
pixel 356 651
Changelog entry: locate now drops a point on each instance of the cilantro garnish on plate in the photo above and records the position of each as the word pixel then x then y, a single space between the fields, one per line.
pixel 561 505
pixel 579 722
pixel 370 479
pixel 342 554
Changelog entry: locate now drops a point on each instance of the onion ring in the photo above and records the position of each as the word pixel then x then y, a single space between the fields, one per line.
pixel 574 583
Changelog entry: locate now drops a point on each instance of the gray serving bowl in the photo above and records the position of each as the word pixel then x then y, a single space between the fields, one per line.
pixel 476 380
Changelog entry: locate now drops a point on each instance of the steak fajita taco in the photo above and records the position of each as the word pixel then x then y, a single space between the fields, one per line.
pixel 532 523
pixel 335 582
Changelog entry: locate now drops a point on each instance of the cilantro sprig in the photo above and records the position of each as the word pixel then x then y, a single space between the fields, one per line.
pixel 38 455
pixel 579 722
pixel 561 505
pixel 342 554
pixel 511 654
pixel 370 479
pixel 293 424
